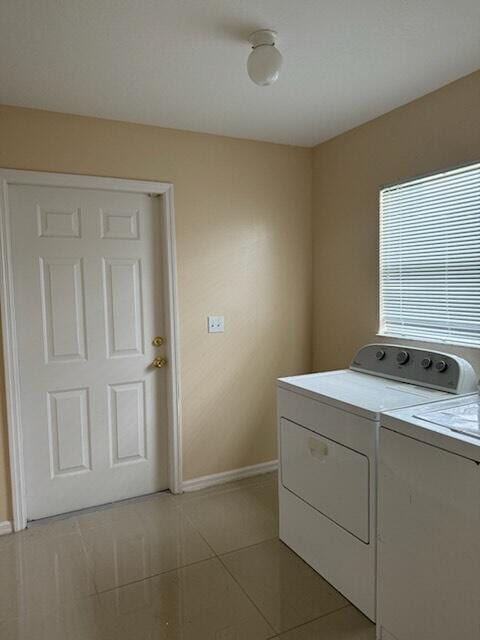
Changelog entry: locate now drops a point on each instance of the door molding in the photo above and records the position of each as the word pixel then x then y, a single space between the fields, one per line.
pixel 10 346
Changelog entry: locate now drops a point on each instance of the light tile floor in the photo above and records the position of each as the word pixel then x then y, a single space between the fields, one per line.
pixel 202 566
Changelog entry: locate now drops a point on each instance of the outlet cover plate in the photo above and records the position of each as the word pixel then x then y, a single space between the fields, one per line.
pixel 216 324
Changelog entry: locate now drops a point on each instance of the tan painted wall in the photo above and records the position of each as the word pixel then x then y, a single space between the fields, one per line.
pixel 244 250
pixel 437 131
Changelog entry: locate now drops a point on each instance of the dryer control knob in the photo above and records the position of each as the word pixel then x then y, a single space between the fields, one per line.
pixel 441 366
pixel 402 357
pixel 426 363
pixel 380 354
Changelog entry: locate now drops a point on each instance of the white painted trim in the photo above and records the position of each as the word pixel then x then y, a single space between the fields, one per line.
pixel 41 178
pixel 229 476
pixel 173 344
pixel 5 527
pixel 10 355
pixel 11 177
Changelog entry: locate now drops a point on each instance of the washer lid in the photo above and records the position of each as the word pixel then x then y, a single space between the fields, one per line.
pixel 360 393
pixel 464 418
pixel 422 424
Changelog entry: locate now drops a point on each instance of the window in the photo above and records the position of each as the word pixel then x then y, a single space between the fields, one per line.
pixel 430 258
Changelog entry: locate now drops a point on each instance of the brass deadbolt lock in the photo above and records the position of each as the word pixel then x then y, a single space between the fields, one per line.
pixel 158 341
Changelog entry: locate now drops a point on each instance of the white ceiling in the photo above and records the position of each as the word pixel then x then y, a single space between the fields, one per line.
pixel 181 63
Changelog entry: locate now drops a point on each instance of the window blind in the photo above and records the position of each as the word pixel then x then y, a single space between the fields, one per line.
pixel 430 258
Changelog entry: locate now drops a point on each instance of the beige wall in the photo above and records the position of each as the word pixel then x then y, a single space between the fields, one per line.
pixel 244 250
pixel 437 131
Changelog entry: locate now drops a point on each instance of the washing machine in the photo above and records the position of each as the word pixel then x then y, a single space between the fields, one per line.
pixel 328 429
pixel 429 522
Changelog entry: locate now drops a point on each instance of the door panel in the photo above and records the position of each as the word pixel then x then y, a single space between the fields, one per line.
pixel 63 308
pixel 58 224
pixel 88 302
pixel 123 307
pixel 127 422
pixel 69 427
pixel 120 225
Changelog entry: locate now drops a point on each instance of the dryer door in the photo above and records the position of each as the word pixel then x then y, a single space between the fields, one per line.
pixel 332 478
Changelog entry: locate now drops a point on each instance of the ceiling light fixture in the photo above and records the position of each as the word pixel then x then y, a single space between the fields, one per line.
pixel 265 60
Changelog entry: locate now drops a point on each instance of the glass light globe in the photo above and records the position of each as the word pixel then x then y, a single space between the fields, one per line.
pixel 264 64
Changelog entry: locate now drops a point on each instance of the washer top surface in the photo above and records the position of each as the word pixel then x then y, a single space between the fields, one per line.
pixel 463 418
pixel 360 393
pixel 440 424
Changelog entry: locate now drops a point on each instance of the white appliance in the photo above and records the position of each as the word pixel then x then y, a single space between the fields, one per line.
pixel 429 522
pixel 328 426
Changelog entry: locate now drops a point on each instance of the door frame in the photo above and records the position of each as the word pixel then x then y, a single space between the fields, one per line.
pixel 10 346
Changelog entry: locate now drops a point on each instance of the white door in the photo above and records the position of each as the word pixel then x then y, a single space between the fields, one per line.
pixel 88 304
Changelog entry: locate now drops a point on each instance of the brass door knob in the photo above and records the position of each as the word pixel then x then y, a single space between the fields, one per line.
pixel 158 363
pixel 158 341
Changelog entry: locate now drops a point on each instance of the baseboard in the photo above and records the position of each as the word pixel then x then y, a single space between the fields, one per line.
pixel 228 476
pixel 5 527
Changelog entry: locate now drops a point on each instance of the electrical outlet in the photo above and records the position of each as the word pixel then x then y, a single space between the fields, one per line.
pixel 216 324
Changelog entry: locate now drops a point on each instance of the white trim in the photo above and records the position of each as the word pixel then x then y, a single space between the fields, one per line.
pixel 39 178
pixel 228 476
pixel 173 344
pixel 5 527
pixel 10 355
pixel 10 177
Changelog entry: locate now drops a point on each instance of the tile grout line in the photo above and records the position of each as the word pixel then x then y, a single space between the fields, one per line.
pixel 195 528
pixel 324 615
pixel 87 557
pixel 248 546
pixel 280 633
pixel 219 558
pixel 223 553
pixel 154 575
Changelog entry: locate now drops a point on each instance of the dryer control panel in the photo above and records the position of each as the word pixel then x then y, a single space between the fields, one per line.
pixel 422 367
